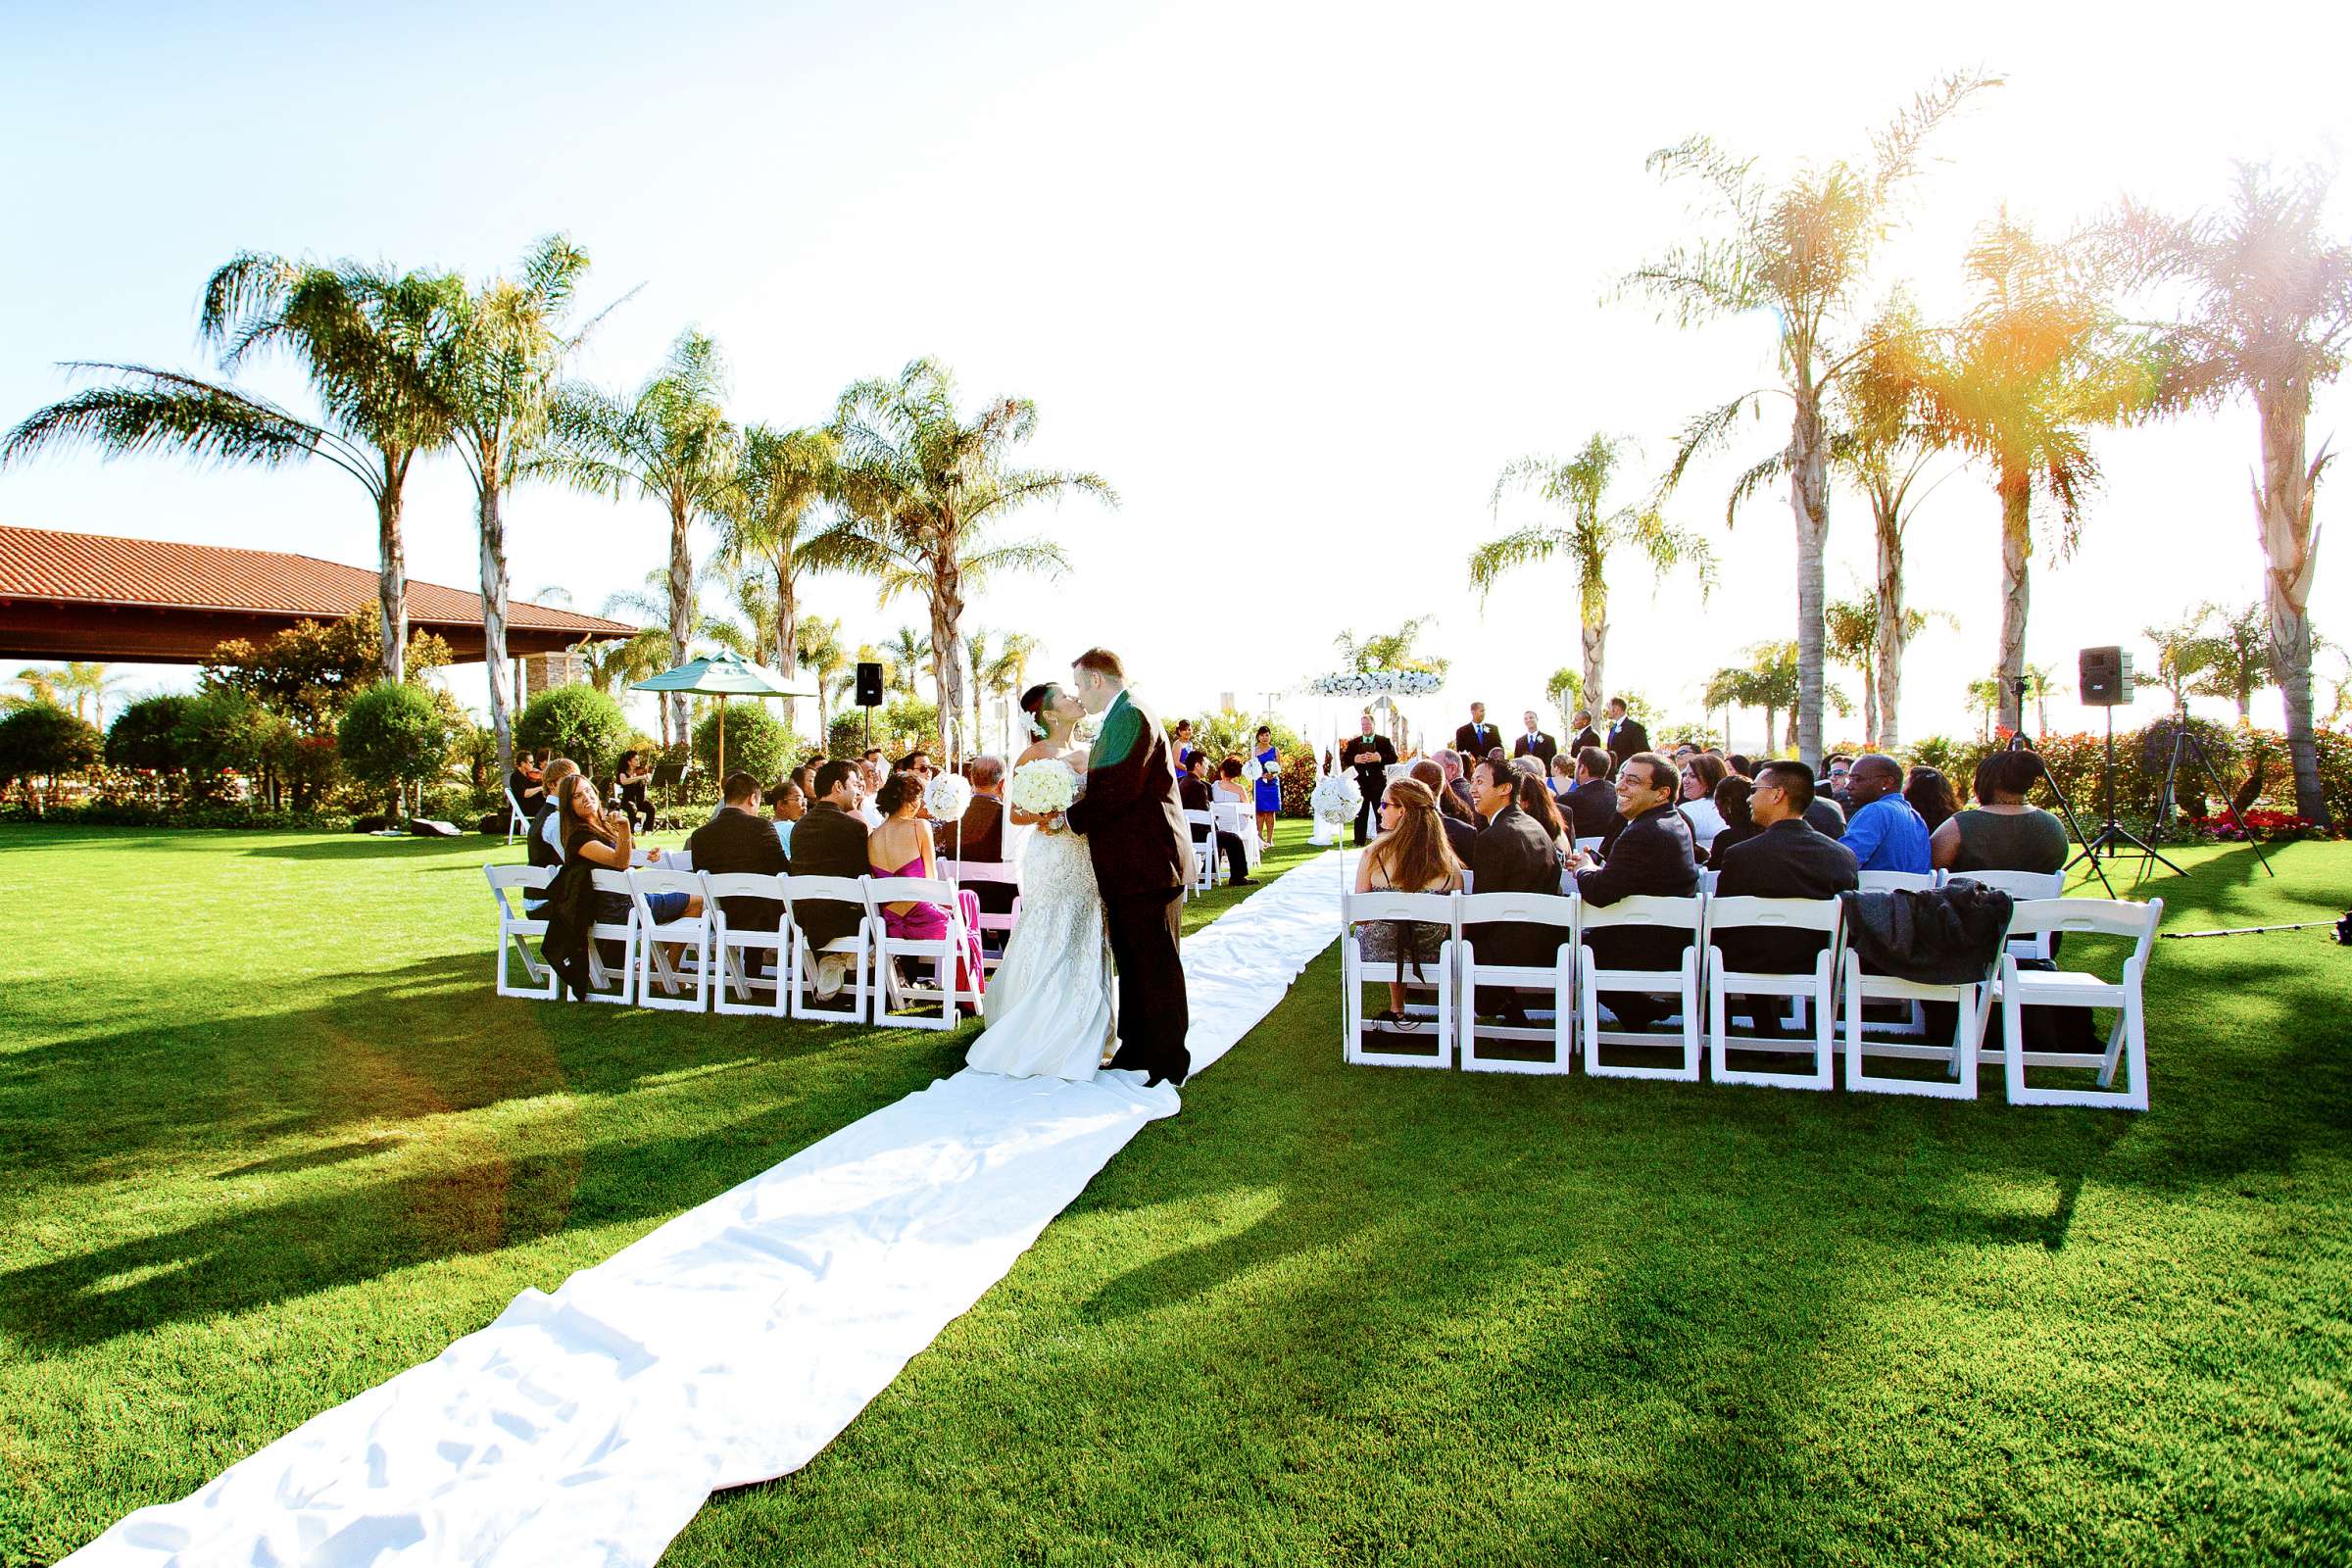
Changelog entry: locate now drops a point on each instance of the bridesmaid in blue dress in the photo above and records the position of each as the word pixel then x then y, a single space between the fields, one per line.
pixel 1269 784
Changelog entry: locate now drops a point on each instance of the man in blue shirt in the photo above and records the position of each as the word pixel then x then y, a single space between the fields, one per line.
pixel 1883 830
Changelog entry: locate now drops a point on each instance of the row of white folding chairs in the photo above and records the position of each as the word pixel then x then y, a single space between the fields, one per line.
pixel 1836 983
pixel 1222 816
pixel 654 972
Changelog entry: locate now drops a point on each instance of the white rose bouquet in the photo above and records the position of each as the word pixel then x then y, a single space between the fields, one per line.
pixel 1043 787
pixel 1253 770
pixel 946 796
pixel 1336 798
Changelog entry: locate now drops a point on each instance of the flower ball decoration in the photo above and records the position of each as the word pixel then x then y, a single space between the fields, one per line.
pixel 946 796
pixel 1336 798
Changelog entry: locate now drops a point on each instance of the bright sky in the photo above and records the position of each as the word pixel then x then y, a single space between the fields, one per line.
pixel 1299 280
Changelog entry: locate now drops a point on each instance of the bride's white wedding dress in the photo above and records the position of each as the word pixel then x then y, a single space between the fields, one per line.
pixel 1048 1006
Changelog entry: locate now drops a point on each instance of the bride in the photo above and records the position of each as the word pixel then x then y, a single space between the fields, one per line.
pixel 1049 1004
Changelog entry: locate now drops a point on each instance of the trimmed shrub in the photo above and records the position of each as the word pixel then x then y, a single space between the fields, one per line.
pixel 393 734
pixel 143 735
pixel 43 740
pixel 757 741
pixel 575 721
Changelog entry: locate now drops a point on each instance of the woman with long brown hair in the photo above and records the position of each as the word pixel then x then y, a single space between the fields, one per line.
pixel 1410 855
pixel 1534 798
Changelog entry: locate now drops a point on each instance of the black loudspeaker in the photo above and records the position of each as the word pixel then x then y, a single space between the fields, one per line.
pixel 869 685
pixel 2106 677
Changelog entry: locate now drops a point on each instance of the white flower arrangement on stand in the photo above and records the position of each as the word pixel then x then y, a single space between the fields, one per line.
pixel 1335 798
pixel 946 796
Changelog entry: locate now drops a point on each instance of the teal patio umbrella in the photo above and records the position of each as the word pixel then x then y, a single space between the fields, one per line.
pixel 722 675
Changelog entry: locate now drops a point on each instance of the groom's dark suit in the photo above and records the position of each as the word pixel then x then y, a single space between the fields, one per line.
pixel 1142 850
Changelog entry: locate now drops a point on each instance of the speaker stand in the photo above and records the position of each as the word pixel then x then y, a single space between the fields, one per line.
pixel 2113 834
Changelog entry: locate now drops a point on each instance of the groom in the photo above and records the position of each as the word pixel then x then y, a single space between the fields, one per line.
pixel 1136 836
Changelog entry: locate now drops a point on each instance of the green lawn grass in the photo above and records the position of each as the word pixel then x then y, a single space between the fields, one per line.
pixel 265 1138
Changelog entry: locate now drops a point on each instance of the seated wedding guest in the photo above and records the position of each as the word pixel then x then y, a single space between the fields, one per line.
pixel 787 804
pixel 1563 775
pixel 1526 767
pixel 902 847
pixel 918 764
pixel 1840 772
pixel 1411 855
pixel 1513 853
pixel 603 840
pixel 1191 787
pixel 1536 801
pixel 1741 765
pixel 545 843
pixel 982 834
pixel 1651 856
pixel 829 840
pixel 528 783
pixel 1931 796
pixel 1475 737
pixel 1269 788
pixel 1226 783
pixel 1580 722
pixel 2001 832
pixel 1592 806
pixel 738 839
pixel 1457 781
pixel 1731 804
pixel 1787 859
pixel 1461 829
pixel 1883 832
pixel 1532 742
pixel 630 776
pixel 1827 816
pixel 1699 776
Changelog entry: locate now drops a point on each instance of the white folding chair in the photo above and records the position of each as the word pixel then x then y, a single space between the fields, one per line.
pixel 1237 818
pixel 1591 846
pixel 624 932
pixel 1675 914
pixel 1357 971
pixel 732 946
pixel 1558 977
pixel 941 952
pixel 1974 1000
pixel 858 947
pixel 2126 1042
pixel 996 873
pixel 1816 986
pixel 1204 851
pixel 690 934
pixel 2024 887
pixel 1898 881
pixel 510 885
pixel 519 820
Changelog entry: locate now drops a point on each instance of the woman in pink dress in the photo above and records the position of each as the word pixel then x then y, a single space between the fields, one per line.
pixel 902 847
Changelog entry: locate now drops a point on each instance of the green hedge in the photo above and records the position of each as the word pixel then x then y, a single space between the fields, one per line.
pixel 575 721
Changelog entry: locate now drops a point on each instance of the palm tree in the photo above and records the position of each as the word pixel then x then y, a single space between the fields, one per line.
pixel 2182 649
pixel 41 685
pixel 369 341
pixel 905 654
pixel 816 643
pixel 1985 699
pixel 2267 316
pixel 1578 487
pixel 506 347
pixel 671 443
pixel 923 487
pixel 1007 674
pixel 1398 649
pixel 1851 631
pixel 1730 687
pixel 2237 659
pixel 781 478
pixel 2029 373
pixel 89 682
pixel 613 666
pixel 2041 684
pixel 1801 250
pixel 975 660
pixel 668 640
pixel 1564 690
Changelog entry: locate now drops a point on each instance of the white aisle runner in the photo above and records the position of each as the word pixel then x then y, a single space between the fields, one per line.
pixel 727 1346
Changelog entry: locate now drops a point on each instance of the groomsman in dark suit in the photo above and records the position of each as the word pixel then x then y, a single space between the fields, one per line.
pixel 1534 743
pixel 1586 734
pixel 1625 734
pixel 1478 737
pixel 1369 754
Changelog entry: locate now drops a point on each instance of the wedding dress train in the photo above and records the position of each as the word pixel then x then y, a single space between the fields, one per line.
pixel 1048 1006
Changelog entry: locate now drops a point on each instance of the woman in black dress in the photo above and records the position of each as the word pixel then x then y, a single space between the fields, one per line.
pixel 631 778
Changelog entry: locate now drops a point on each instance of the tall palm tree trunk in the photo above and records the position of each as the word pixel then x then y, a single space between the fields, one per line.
pixel 392 572
pixel 681 603
pixel 788 632
pixel 493 603
pixel 2017 541
pixel 946 651
pixel 2282 511
pixel 1809 499
pixel 1596 652
pixel 1889 683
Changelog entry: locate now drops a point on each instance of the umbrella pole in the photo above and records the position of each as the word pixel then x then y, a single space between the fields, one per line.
pixel 722 739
